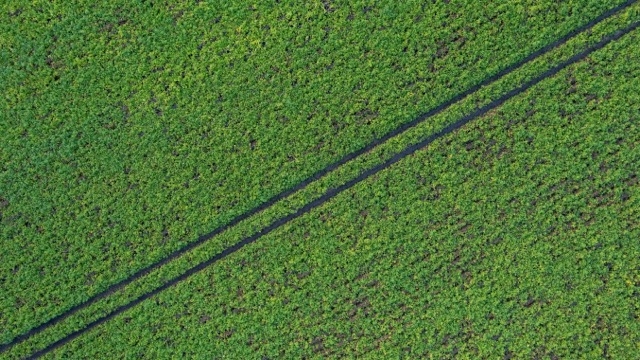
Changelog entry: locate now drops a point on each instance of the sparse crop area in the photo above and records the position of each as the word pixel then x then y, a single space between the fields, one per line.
pixel 504 223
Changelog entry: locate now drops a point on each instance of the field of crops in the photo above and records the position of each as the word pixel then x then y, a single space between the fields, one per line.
pixel 370 179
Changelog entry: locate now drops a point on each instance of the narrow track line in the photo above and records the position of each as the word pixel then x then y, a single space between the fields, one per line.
pixel 334 192
pixel 321 173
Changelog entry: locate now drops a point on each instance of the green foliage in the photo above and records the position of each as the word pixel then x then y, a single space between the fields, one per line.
pixel 516 236
pixel 127 128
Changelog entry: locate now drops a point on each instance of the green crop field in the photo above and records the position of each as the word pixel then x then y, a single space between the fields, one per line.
pixel 313 179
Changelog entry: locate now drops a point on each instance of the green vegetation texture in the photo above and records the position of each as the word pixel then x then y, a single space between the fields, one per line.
pixel 515 236
pixel 128 129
